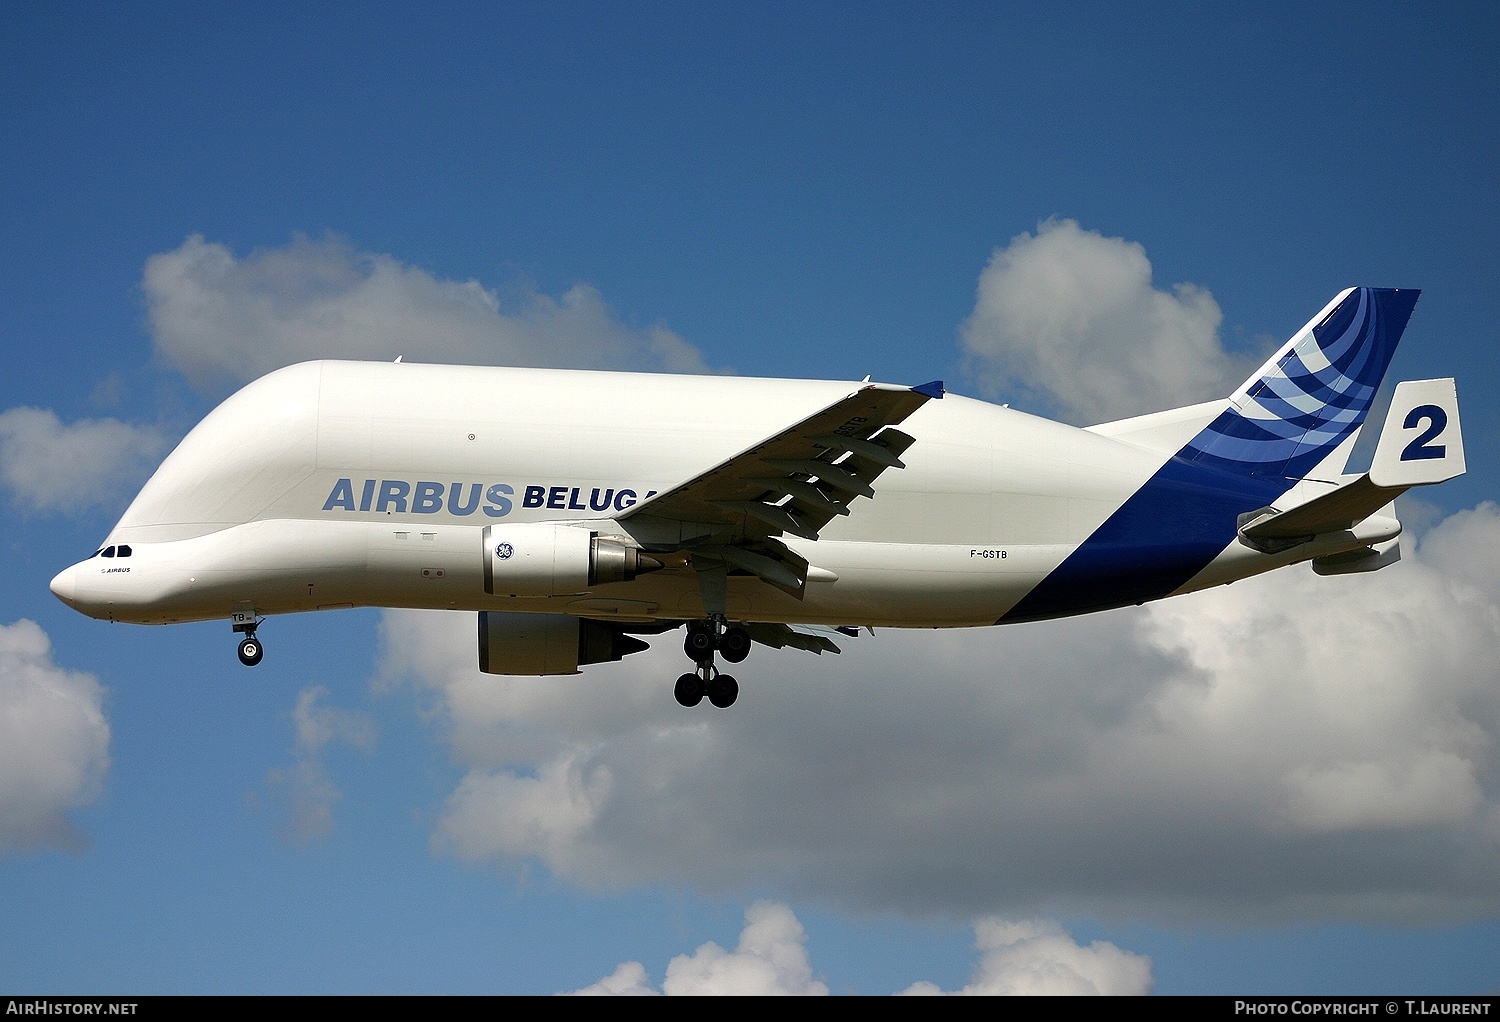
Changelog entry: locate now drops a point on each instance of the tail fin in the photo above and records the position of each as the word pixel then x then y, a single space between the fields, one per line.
pixel 1292 414
pixel 1313 393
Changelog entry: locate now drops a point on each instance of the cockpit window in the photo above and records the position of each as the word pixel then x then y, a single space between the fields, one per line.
pixel 123 550
pixel 109 551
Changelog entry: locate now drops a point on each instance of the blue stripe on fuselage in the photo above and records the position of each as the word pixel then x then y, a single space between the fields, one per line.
pixel 1172 527
pixel 1167 532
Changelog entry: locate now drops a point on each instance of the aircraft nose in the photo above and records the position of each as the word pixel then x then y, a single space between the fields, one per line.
pixel 63 586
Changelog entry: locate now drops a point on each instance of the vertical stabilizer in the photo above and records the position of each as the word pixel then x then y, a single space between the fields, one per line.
pixel 1280 424
pixel 1313 393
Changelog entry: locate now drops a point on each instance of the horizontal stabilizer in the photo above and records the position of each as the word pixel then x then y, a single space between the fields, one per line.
pixel 1366 558
pixel 1420 443
pixel 1335 511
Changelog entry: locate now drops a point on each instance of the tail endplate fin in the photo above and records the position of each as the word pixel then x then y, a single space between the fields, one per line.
pixel 1422 441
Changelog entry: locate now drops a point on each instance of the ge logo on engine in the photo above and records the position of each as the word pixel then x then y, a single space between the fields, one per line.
pixel 503 551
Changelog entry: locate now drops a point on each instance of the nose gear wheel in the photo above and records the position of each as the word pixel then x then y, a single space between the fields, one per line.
pixel 251 651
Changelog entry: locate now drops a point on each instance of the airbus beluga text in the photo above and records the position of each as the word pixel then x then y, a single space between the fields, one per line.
pixel 576 511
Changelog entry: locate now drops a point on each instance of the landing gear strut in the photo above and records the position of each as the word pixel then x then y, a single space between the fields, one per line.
pixel 704 638
pixel 251 649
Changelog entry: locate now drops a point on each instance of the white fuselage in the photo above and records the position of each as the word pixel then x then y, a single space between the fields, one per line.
pixel 337 484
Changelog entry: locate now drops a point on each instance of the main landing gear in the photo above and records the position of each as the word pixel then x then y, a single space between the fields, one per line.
pixel 251 649
pixel 704 639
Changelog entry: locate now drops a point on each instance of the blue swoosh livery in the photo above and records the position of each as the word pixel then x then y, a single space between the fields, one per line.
pixel 1279 426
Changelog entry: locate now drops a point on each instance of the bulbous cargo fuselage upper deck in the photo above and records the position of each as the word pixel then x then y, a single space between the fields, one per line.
pixel 341 483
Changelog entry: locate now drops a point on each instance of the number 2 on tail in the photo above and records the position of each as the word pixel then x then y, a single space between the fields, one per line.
pixel 1420 449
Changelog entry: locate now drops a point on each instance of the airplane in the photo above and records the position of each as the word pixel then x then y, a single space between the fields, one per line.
pixel 577 511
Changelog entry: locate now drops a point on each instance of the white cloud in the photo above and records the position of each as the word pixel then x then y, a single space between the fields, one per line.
pixel 1285 748
pixel 770 959
pixel 1070 318
pixel 1033 957
pixel 52 466
pixel 1432 789
pixel 54 742
pixel 1038 958
pixel 308 792
pixel 318 725
pixel 220 318
pixel 502 814
pixel 629 980
pixel 307 795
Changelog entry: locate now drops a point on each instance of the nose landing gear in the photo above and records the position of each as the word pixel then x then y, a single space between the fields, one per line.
pixel 250 649
pixel 704 639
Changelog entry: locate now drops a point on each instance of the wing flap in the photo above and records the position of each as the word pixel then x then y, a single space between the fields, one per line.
pixel 774 563
pixel 811 638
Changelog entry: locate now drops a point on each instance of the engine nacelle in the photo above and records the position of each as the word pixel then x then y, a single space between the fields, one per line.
pixel 556 560
pixel 537 644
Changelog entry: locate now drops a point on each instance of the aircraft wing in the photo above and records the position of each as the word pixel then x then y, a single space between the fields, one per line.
pixel 793 482
pixel 817 639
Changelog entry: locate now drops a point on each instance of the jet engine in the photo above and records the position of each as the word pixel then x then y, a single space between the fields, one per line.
pixel 555 560
pixel 536 644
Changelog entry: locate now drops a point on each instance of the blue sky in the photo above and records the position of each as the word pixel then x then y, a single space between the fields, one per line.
pixel 191 197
